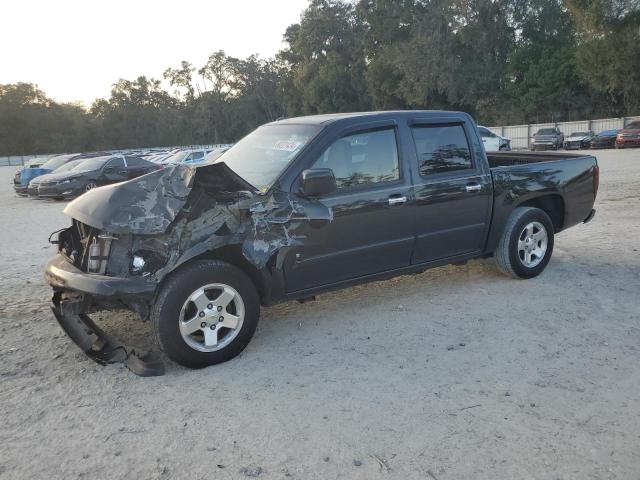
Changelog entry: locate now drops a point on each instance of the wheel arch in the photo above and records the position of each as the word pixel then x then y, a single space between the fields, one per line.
pixel 232 254
pixel 552 204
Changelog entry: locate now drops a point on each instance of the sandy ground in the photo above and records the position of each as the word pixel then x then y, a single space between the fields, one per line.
pixel 457 373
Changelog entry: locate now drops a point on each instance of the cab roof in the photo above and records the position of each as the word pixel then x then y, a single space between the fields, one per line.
pixel 327 118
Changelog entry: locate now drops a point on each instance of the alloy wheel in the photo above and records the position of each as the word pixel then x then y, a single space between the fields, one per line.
pixel 532 244
pixel 211 317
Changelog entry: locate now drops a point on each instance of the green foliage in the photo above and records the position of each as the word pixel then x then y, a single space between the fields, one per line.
pixel 32 123
pixel 608 47
pixel 503 61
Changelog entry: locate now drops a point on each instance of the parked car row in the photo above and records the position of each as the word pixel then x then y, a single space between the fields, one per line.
pixel 553 138
pixel 67 176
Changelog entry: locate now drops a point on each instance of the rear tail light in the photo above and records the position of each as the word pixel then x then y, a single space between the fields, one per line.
pixel 596 179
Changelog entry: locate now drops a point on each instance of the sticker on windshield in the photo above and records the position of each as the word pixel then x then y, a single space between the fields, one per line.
pixel 287 145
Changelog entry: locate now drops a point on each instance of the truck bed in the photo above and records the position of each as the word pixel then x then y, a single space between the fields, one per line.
pixel 508 159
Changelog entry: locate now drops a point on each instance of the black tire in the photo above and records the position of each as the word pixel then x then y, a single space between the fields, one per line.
pixel 165 313
pixel 507 256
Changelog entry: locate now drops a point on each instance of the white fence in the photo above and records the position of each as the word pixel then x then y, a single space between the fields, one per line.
pixel 520 135
pixel 18 159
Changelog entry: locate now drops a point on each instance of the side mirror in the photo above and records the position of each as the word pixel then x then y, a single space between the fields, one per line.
pixel 317 182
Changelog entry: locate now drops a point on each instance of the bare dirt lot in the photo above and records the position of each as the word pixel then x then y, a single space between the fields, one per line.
pixel 457 373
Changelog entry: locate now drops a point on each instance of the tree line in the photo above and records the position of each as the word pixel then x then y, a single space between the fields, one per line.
pixel 503 61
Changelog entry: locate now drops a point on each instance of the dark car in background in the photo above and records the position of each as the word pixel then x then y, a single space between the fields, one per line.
pixel 32 189
pixel 547 139
pixel 92 173
pixel 578 140
pixel 605 139
pixel 629 136
pixel 24 176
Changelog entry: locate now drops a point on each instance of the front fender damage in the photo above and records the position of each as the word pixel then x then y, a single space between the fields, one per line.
pixel 180 213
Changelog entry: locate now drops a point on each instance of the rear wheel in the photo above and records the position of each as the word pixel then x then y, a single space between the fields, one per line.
pixel 526 244
pixel 205 313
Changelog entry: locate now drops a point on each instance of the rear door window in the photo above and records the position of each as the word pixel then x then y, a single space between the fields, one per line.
pixel 136 162
pixel 116 163
pixel 441 149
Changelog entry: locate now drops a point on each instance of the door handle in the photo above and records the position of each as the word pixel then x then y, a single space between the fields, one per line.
pixel 397 200
pixel 473 187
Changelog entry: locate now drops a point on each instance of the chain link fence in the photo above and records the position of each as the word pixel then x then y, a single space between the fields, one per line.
pixel 520 135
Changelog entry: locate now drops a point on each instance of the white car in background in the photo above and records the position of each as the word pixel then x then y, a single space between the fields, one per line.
pixel 186 157
pixel 493 142
pixel 214 154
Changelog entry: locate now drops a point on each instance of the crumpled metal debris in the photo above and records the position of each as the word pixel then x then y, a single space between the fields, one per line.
pixel 182 212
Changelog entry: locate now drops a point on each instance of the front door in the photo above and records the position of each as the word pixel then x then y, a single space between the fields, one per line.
pixel 452 193
pixel 372 230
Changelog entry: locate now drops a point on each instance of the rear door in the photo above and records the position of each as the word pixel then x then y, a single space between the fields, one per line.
pixel 136 166
pixel 453 191
pixel 114 171
pixel 372 230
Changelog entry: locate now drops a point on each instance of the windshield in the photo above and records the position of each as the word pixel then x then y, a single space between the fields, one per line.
pixel 579 134
pixel 68 166
pixel 90 164
pixel 214 154
pixel 56 162
pixel 633 126
pixel 263 154
pixel 546 131
pixel 176 157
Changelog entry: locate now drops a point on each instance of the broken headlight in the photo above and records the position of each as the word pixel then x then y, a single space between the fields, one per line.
pixel 137 265
pixel 145 262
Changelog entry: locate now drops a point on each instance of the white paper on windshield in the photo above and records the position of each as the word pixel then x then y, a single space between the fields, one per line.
pixel 287 145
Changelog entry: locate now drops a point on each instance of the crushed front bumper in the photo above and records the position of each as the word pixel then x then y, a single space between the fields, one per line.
pixel 74 293
pixel 61 274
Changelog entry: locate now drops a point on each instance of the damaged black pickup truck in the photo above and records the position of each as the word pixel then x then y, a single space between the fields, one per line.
pixel 301 206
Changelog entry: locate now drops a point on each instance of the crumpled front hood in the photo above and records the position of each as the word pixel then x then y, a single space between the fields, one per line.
pixel 576 139
pixel 148 204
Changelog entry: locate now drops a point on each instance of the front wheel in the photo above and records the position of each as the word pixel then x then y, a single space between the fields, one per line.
pixel 90 185
pixel 526 244
pixel 205 313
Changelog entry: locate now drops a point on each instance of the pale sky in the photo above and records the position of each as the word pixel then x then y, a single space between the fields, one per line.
pixel 75 50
